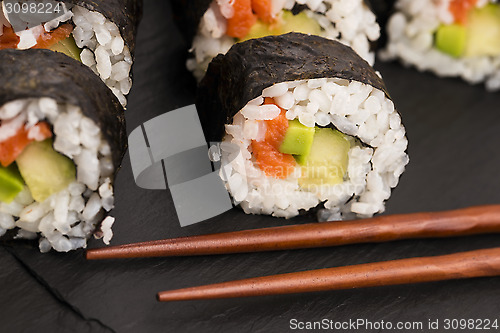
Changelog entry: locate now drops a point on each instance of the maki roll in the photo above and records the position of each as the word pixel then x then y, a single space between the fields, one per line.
pixel 214 26
pixel 304 122
pixel 382 10
pixel 452 38
pixel 62 139
pixel 100 34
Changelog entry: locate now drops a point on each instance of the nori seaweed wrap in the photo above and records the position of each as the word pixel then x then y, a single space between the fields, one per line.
pixel 62 137
pixel 100 34
pixel 213 26
pixel 304 122
pixel 250 67
pixel 188 14
pixel 126 14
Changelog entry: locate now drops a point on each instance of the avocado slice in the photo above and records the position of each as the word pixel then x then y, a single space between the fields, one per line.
pixel 11 183
pixel 327 161
pixel 286 23
pixel 68 47
pixel 480 37
pixel 451 39
pixel 483 31
pixel 298 139
pixel 44 170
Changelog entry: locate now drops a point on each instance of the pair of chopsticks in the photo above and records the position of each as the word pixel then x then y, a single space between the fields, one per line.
pixel 461 222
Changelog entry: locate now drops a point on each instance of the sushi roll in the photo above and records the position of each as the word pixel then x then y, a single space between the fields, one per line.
pixel 214 26
pixel 382 9
pixel 100 34
pixel 62 139
pixel 304 122
pixel 451 38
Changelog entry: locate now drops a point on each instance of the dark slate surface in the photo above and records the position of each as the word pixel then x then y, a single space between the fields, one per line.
pixel 454 132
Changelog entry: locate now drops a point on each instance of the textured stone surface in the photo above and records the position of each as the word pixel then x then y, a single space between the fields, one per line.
pixel 453 130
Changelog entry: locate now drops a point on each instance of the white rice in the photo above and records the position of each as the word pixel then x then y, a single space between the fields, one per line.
pixel 350 22
pixel 377 156
pixel 104 49
pixel 66 219
pixel 411 34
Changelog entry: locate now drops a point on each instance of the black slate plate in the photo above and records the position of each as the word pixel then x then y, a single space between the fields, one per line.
pixel 454 132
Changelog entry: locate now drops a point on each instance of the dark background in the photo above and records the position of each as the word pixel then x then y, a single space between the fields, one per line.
pixel 454 132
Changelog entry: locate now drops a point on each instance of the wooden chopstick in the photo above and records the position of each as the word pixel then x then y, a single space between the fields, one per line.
pixel 463 265
pixel 461 222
